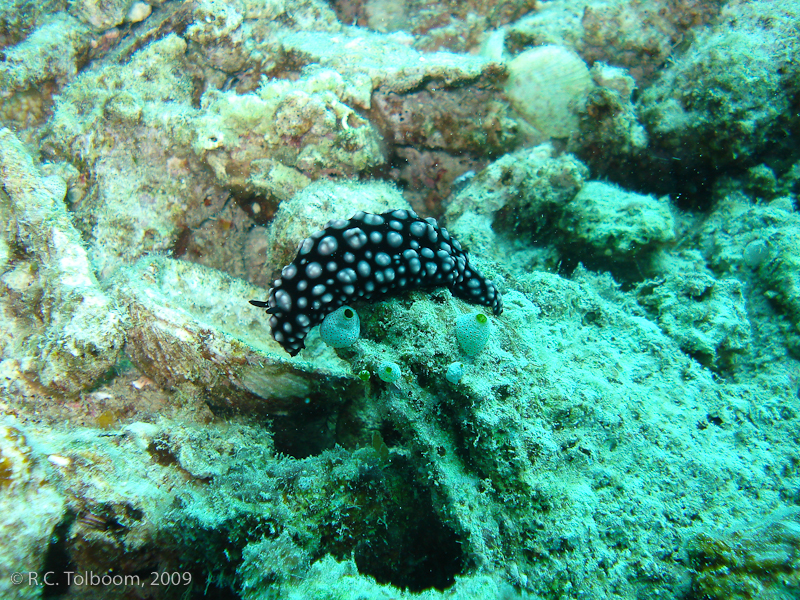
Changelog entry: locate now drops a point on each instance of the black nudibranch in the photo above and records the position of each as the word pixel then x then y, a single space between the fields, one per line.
pixel 366 257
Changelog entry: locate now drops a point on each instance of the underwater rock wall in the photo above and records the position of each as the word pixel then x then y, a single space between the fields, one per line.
pixel 625 172
pixel 61 329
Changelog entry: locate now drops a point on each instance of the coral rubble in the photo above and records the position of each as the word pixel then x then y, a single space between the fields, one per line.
pixel 61 330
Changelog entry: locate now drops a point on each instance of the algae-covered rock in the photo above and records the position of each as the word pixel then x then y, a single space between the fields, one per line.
pixel 438 111
pixel 633 35
pixel 435 25
pixel 706 316
pixel 102 15
pixel 51 51
pixel 60 328
pixel 757 242
pixel 617 223
pixel 234 34
pixel 612 141
pixel 126 126
pixel 524 191
pixel 32 508
pixel 567 375
pixel 305 125
pixel 544 198
pixel 341 579
pixel 725 97
pixel 188 323
pixel 760 559
pixel 367 61
pixel 153 424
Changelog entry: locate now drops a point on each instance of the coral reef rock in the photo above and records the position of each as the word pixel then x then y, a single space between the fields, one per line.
pixel 726 96
pixel 60 329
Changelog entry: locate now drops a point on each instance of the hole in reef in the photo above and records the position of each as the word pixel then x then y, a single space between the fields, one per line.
pixel 412 548
pixel 304 433
pixel 57 561
pixel 301 427
pixel 426 555
pixel 260 208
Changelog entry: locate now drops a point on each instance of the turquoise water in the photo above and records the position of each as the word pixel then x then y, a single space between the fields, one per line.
pixel 558 244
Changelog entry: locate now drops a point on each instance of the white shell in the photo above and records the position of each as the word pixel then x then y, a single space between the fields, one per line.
pixel 545 86
pixel 139 12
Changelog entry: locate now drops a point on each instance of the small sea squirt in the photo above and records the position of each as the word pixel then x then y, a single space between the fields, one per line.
pixel 472 332
pixel 368 256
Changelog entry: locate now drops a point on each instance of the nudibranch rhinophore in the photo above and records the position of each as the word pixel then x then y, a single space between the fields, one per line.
pixel 368 256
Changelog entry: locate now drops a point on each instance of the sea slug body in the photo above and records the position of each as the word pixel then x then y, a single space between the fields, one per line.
pixel 368 256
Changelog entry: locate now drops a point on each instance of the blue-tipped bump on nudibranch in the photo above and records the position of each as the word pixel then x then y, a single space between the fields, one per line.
pixel 368 256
